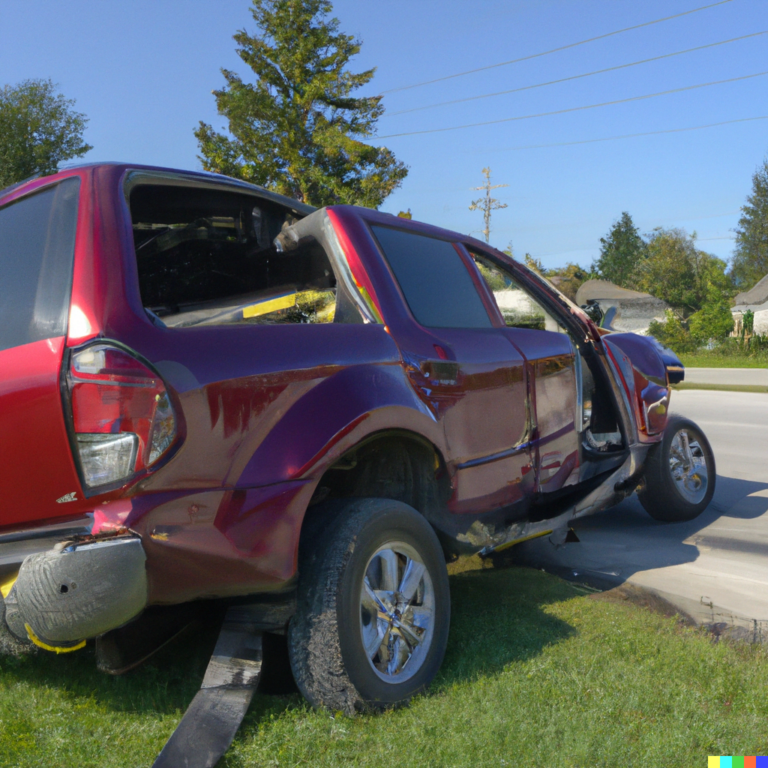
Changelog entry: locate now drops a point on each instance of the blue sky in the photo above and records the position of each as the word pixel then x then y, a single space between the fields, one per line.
pixel 143 72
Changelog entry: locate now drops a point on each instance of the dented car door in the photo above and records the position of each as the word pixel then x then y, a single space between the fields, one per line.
pixel 462 366
pixel 554 383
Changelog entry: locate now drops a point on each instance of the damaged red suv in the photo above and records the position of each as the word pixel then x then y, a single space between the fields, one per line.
pixel 212 393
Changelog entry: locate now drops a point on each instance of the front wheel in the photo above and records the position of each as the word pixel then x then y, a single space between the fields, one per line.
pixel 373 609
pixel 679 478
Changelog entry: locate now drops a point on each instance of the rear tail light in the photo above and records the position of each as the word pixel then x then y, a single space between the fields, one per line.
pixel 122 415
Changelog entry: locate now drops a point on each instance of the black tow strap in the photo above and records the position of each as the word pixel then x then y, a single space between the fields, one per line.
pixel 210 723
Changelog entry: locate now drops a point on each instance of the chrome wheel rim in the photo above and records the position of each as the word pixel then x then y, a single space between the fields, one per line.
pixel 688 466
pixel 397 611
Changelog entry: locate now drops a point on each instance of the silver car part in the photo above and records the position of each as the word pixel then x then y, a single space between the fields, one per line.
pixel 688 467
pixel 397 612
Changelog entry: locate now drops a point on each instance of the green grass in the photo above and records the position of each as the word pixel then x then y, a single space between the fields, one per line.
pixel 537 673
pixel 714 360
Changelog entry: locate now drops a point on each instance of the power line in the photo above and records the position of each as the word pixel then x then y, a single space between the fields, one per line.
pixel 487 204
pixel 572 109
pixel 572 77
pixel 626 135
pixel 555 50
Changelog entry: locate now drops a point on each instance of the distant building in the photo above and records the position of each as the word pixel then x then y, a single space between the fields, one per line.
pixel 756 299
pixel 624 310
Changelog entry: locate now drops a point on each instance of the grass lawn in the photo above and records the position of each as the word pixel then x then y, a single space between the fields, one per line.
pixel 538 673
pixel 704 360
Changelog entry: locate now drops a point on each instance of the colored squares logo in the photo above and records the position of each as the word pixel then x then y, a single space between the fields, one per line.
pixel 737 762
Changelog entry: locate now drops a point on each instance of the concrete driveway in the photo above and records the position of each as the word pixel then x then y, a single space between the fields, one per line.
pixel 716 567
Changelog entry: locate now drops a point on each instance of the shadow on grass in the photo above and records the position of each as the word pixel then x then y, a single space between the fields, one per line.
pixel 497 619
pixel 163 685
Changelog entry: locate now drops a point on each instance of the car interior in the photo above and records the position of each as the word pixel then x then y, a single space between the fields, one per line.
pixel 208 257
pixel 597 421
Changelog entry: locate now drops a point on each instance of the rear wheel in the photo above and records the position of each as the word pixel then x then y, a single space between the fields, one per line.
pixel 679 474
pixel 373 610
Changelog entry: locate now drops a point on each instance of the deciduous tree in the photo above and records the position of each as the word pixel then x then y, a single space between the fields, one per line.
pixel 712 322
pixel 571 277
pixel 38 130
pixel 672 333
pixel 297 129
pixel 680 274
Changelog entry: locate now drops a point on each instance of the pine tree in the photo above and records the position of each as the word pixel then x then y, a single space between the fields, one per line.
pixel 297 129
pixel 750 260
pixel 621 252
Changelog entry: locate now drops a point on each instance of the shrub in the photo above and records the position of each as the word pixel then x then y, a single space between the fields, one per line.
pixel 673 334
pixel 713 322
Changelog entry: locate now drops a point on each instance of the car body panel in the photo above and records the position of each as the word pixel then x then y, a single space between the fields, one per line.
pixel 31 419
pixel 264 412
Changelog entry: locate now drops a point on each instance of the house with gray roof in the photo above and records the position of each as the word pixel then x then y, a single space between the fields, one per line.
pixel 629 311
pixel 756 299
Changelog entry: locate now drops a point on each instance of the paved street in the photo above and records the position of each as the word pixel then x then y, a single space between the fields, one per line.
pixel 715 567
pixel 753 376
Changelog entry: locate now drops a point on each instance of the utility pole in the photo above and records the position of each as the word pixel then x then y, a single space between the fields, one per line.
pixel 487 204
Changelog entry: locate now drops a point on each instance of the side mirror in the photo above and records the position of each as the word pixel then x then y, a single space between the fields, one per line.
pixel 594 312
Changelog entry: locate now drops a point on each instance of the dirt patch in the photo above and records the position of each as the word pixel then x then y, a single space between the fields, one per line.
pixel 631 593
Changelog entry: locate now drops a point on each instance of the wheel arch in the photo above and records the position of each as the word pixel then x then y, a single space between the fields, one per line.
pixel 394 463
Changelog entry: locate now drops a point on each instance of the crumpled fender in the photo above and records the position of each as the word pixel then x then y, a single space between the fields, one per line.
pixel 332 417
pixel 650 358
pixel 654 367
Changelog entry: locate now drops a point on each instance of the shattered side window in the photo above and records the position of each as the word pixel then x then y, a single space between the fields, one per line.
pixel 207 257
pixel 517 307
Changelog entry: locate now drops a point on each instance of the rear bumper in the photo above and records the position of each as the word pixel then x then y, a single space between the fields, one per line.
pixel 18 544
pixel 82 579
pixel 77 591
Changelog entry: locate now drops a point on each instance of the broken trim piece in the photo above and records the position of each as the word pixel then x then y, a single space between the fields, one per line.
pixel 7 585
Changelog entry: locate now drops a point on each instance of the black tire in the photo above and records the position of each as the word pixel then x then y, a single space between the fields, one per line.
pixel 276 675
pixel 666 499
pixel 326 635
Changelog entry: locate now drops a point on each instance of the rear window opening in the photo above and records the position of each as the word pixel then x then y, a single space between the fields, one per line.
pixel 207 257
pixel 37 253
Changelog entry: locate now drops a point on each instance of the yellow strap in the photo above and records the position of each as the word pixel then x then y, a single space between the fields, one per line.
pixel 54 649
pixel 520 541
pixel 265 307
pixel 6 586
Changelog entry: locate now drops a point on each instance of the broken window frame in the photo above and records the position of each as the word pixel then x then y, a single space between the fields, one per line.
pixel 325 238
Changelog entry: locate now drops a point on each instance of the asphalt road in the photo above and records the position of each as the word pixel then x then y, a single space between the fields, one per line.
pixel 753 376
pixel 716 567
